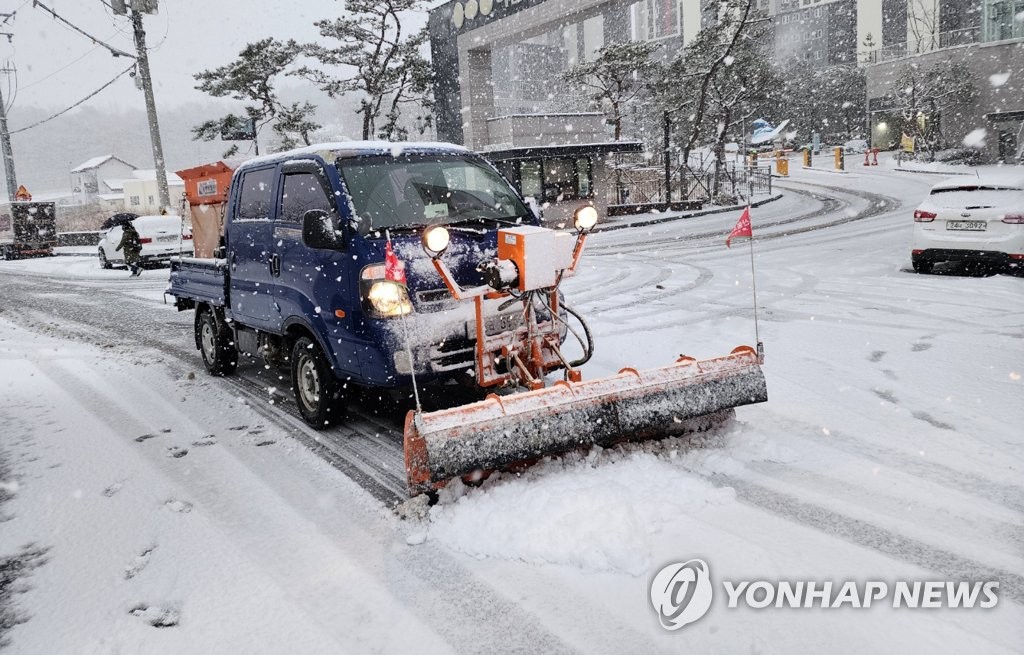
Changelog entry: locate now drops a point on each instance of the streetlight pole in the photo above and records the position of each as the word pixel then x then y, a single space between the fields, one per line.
pixel 154 125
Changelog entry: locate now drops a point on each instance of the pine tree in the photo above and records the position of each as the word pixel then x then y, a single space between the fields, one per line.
pixel 250 79
pixel 389 72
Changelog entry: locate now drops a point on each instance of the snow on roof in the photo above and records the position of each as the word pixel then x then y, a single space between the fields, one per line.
pixel 114 185
pixel 563 114
pixel 110 196
pixel 149 174
pixel 1003 178
pixel 351 148
pixel 96 162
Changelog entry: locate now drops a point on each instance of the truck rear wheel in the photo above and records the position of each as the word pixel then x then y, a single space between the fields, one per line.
pixel 216 344
pixel 317 391
pixel 104 262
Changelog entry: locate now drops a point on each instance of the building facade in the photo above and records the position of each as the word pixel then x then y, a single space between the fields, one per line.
pixel 498 62
pixel 987 37
pixel 98 178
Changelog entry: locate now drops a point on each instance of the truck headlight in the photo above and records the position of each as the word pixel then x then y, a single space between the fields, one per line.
pixel 387 299
pixel 584 218
pixel 435 240
pixel 382 298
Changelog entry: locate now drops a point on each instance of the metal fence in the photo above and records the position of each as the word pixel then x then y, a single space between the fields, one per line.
pixel 642 188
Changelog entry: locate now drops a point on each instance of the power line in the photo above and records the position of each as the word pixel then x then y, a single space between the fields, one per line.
pixel 64 67
pixel 67 109
pixel 114 51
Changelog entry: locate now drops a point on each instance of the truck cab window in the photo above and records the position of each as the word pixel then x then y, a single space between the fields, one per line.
pixel 302 192
pixel 257 196
pixel 436 189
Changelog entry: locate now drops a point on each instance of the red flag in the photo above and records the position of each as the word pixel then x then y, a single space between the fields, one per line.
pixel 394 270
pixel 742 228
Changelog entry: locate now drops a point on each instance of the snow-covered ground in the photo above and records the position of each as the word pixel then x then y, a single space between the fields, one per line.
pixel 890 449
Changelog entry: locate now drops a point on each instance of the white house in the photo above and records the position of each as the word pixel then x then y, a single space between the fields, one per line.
pixel 92 179
pixel 142 197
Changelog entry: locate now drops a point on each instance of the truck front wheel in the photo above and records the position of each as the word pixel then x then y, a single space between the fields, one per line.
pixel 317 391
pixel 215 344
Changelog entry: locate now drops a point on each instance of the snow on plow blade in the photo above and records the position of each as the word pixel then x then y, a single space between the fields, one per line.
pixel 500 431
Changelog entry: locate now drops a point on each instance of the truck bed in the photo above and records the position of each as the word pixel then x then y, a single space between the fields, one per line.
pixel 196 280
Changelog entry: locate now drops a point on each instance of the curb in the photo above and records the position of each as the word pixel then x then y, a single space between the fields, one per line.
pixel 668 219
pixel 911 170
pixel 825 170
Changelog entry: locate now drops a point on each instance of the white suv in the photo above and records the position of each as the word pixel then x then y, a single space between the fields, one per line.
pixel 971 220
pixel 162 237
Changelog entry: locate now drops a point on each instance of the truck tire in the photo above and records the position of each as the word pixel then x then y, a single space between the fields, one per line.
pixel 216 344
pixel 317 391
pixel 104 262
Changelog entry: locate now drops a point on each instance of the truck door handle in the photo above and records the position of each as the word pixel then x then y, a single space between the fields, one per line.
pixel 275 265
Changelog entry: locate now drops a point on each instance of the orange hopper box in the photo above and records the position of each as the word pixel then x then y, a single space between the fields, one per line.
pixel 206 189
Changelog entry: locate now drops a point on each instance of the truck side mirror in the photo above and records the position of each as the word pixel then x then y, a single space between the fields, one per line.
pixel 318 230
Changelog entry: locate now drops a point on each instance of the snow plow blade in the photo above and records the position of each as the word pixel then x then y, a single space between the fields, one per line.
pixel 501 431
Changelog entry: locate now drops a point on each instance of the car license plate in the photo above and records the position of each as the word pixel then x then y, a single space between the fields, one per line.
pixel 502 323
pixel 167 239
pixel 976 226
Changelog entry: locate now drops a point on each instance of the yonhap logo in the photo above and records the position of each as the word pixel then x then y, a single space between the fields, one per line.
pixel 681 593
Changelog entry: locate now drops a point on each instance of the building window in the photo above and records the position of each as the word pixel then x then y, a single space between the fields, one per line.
pixel 556 180
pixel 150 200
pixel 302 192
pixel 656 19
pixel 1000 20
pixel 257 196
pixel 134 201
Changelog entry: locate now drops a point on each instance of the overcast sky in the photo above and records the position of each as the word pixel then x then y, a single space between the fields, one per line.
pixel 57 66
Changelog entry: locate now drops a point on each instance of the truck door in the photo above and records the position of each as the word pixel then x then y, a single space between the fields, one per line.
pixel 250 244
pixel 312 285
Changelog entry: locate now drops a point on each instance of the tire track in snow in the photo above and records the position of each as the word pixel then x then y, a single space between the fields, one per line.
pixel 1009 496
pixel 868 535
pixel 448 589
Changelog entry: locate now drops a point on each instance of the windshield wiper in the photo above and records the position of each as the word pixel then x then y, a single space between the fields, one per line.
pixel 480 219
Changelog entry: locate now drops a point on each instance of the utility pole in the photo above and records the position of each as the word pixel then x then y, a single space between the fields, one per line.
pixel 668 161
pixel 154 125
pixel 8 152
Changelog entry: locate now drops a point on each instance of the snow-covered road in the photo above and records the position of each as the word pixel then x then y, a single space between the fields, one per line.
pixel 890 449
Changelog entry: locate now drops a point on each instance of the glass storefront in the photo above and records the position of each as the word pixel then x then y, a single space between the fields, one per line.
pixel 552 180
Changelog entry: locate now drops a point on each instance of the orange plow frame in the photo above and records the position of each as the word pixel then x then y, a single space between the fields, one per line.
pixel 501 431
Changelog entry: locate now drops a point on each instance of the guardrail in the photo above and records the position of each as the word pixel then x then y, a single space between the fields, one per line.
pixel 930 43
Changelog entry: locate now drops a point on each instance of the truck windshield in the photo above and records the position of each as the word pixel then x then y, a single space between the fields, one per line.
pixel 427 190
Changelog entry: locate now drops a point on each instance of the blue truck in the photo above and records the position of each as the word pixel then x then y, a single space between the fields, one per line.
pixel 300 278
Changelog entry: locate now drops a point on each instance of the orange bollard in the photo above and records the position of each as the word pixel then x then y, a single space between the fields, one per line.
pixel 867 153
pixel 874 153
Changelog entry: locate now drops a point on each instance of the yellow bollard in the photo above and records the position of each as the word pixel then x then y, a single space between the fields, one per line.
pixel 840 161
pixel 807 158
pixel 781 165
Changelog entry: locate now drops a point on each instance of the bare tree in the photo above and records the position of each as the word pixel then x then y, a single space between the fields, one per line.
pixel 921 94
pixel 923 25
pixel 619 75
pixel 690 76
